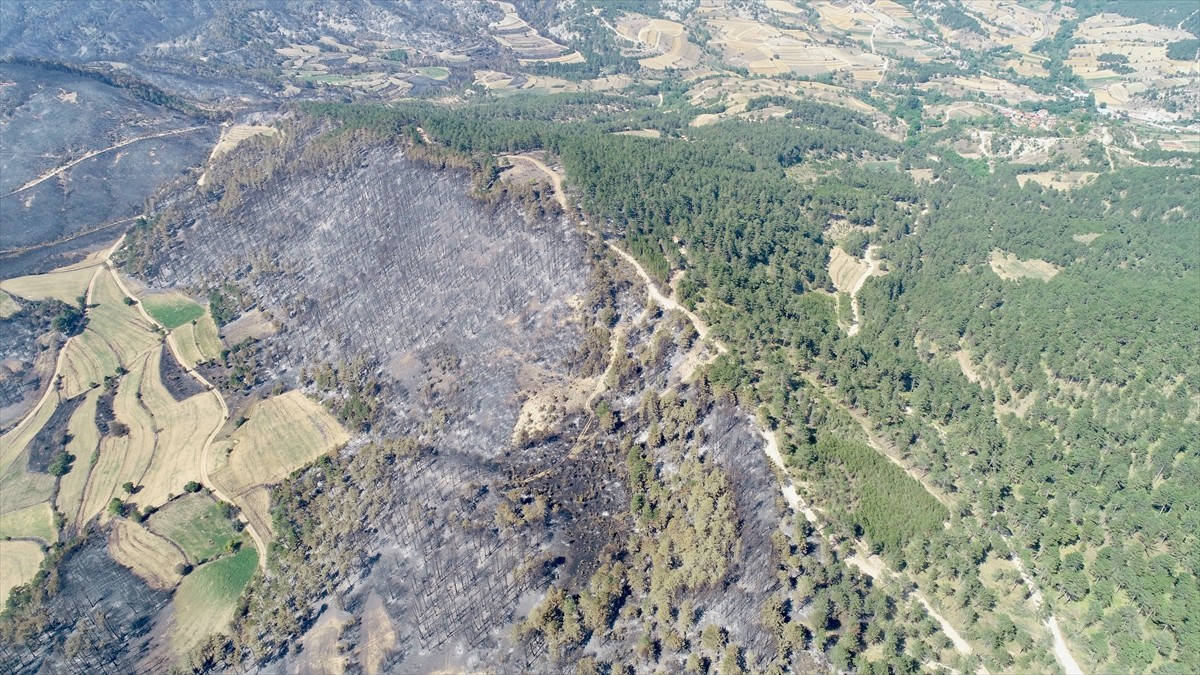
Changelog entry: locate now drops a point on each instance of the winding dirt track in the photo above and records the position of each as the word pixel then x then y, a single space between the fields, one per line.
pixel 206 453
pixel 771 448
pixel 54 172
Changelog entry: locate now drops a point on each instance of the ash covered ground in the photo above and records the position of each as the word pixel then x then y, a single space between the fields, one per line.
pixel 50 120
pixel 465 312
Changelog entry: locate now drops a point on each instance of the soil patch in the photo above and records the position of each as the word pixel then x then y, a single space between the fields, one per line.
pixel 178 383
pixel 49 440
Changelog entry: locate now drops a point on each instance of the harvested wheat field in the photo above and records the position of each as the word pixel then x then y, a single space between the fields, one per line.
pixel 197 341
pixel 667 38
pixel 1010 267
pixel 21 561
pixel 123 457
pixel 67 285
pixel 182 429
pixel 845 270
pixel 238 133
pixel 281 434
pixel 85 442
pixel 8 305
pixel 20 488
pixel 148 555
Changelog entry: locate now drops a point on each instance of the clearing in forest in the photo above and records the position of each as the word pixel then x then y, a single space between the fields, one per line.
pixel 1008 266
pixel 195 522
pixel 378 636
pixel 172 310
pixel 147 554
pixel 206 599
pixel 21 561
pixel 1059 180
pixel 321 652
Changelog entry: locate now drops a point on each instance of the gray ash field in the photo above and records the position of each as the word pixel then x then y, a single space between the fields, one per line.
pixel 114 152
pixel 454 302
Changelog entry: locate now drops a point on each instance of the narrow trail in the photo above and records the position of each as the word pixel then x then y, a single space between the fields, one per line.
pixel 54 172
pixel 57 242
pixel 667 302
pixel 872 266
pixel 1179 26
pixel 206 452
pixel 1062 653
pixel 771 444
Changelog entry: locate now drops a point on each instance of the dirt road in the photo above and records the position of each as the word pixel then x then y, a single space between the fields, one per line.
pixel 54 172
pixel 872 266
pixel 771 447
pixel 206 452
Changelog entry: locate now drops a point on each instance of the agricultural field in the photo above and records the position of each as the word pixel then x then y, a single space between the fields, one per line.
pixel 149 555
pixel 845 270
pixel 958 87
pixel 736 92
pixel 766 50
pixel 19 487
pixel 21 561
pixel 1018 25
pixel 84 445
pixel 181 430
pixel 235 134
pixel 35 521
pixel 667 39
pixel 514 33
pixel 1121 59
pixel 8 305
pixel 196 523
pixel 205 600
pixel 197 341
pixel 65 285
pixel 881 26
pixel 280 434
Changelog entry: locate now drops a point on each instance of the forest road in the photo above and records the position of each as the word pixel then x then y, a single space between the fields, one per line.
pixel 54 172
pixel 790 494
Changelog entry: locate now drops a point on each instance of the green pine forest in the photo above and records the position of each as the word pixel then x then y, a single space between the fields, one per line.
pixel 1056 421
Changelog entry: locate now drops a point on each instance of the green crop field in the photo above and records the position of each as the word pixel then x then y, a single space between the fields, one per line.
pixel 196 523
pixel 434 72
pixel 173 310
pixel 206 599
